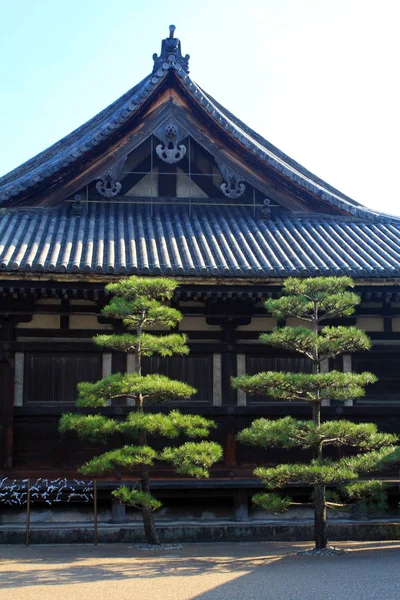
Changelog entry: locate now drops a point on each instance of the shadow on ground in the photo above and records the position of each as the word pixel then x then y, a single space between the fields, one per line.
pixel 371 572
pixel 261 568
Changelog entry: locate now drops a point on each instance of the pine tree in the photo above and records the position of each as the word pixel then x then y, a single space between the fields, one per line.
pixel 315 300
pixel 141 303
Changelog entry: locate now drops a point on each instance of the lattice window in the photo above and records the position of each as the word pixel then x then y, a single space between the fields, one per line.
pixel 53 377
pixel 255 363
pixel 194 370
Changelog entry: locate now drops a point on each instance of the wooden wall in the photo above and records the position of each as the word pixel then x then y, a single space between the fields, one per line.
pixel 46 349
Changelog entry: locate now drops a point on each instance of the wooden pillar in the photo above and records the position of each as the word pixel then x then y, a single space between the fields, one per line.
pixel 19 379
pixel 106 367
pixel 106 364
pixel 325 369
pixel 387 314
pixel 228 361
pixel 241 370
pixel 6 413
pixel 131 367
pixel 230 442
pixel 347 368
pixel 8 363
pixel 217 382
pixel 131 363
pixel 228 315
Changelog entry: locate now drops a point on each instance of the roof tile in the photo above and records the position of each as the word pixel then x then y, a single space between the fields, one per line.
pixel 208 241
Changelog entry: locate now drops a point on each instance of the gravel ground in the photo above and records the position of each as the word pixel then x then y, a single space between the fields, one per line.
pixel 245 571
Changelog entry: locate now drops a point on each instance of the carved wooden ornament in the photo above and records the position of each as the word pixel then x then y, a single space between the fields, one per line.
pixel 233 185
pixel 170 150
pixel 108 184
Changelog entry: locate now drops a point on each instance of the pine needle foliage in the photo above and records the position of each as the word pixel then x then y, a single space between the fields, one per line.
pixel 150 388
pixel 362 496
pixel 95 427
pixel 305 387
pixel 167 345
pixel 142 303
pixel 291 433
pixel 314 301
pixel 137 498
pixel 271 502
pixel 170 425
pixel 127 457
pixel 193 459
pixel 369 494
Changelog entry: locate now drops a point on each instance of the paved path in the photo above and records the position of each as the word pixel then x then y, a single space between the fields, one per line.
pixel 259 571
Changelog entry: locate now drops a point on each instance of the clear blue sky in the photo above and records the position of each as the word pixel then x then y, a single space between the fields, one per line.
pixel 317 78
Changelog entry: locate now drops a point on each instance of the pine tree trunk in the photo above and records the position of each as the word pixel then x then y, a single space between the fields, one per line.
pixel 320 535
pixel 320 517
pixel 149 527
pixel 147 515
pixel 148 521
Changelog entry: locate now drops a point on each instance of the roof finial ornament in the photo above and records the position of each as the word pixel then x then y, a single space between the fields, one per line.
pixel 171 54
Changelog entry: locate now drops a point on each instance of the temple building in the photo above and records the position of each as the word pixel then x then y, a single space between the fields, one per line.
pixel 166 181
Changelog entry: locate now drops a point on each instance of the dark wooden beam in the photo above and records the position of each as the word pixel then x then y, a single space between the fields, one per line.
pixel 387 314
pixel 64 317
pixel 269 409
pixel 230 442
pixel 228 364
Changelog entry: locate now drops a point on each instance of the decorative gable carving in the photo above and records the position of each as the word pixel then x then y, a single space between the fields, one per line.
pixel 108 185
pixel 170 150
pixel 233 185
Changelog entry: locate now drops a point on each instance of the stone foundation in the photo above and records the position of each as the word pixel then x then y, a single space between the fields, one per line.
pixel 371 530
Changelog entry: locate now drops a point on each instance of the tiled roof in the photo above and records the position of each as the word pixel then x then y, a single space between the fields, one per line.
pixel 225 241
pixel 83 140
